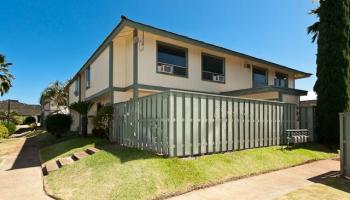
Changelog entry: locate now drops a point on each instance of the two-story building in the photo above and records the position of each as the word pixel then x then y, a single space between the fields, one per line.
pixel 136 60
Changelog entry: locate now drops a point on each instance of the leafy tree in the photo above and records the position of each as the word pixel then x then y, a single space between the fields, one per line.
pixel 55 92
pixel 5 76
pixel 82 107
pixel 333 64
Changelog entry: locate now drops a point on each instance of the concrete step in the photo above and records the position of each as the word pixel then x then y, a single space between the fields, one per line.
pixel 92 150
pixel 79 155
pixel 64 161
pixel 49 167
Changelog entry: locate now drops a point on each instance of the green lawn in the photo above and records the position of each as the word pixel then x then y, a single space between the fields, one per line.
pixel 332 188
pixel 120 173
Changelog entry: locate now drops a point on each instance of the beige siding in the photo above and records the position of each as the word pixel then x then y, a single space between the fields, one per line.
pixel 123 96
pixel 290 98
pixel 75 121
pixel 237 77
pixel 72 97
pixel 99 74
pixel 262 95
pixel 123 60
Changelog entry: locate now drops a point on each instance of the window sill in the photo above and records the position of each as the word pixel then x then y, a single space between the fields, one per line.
pixel 212 81
pixel 180 76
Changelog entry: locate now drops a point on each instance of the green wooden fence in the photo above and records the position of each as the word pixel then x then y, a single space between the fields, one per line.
pixel 178 123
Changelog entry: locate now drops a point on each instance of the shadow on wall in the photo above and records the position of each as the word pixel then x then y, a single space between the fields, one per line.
pixel 333 179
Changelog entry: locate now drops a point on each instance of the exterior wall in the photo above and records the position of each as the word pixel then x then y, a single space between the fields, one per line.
pixel 75 121
pixel 263 95
pixel 123 61
pixel 123 96
pixel 72 97
pixel 236 75
pixel 92 112
pixel 290 98
pixel 99 74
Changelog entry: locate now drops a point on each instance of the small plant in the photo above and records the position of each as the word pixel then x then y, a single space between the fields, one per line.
pixel 33 126
pixel 11 127
pixel 102 120
pixel 29 120
pixel 58 124
pixel 4 133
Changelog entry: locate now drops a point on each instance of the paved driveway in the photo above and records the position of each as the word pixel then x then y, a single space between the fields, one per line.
pixel 20 174
pixel 265 186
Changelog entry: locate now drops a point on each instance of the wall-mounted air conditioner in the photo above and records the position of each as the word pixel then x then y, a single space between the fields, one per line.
pixel 219 78
pixel 166 69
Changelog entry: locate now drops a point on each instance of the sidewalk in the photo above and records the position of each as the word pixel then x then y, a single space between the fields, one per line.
pixel 20 174
pixel 266 186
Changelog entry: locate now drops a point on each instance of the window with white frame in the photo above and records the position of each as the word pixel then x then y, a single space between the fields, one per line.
pixel 213 68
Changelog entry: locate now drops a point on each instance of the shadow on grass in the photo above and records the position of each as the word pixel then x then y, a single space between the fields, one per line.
pixel 313 147
pixel 333 179
pixel 126 154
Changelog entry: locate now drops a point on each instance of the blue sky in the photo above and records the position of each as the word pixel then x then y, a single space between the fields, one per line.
pixel 51 40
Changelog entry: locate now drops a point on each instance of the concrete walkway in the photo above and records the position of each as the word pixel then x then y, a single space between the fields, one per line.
pixel 20 174
pixel 266 186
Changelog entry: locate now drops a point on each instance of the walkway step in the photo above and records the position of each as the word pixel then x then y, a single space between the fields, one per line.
pixel 92 150
pixel 79 155
pixel 49 167
pixel 64 161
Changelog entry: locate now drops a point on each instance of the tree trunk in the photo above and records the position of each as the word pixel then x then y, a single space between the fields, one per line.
pixel 84 123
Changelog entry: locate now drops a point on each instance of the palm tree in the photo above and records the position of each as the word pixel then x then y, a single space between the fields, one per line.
pixel 5 76
pixel 55 92
pixel 313 29
pixel 82 107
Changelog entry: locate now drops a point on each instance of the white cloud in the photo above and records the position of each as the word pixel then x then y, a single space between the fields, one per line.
pixel 311 95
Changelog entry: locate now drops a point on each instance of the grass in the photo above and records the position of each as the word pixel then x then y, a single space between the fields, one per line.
pixel 331 188
pixel 125 173
pixel 67 148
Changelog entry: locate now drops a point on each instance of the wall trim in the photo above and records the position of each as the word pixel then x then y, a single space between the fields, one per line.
pixel 111 71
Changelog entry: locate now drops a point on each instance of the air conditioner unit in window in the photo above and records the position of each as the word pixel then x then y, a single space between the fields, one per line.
pixel 166 69
pixel 219 78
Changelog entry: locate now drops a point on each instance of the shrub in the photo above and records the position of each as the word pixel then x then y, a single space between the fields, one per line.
pixel 4 133
pixel 102 120
pixel 58 124
pixel 29 120
pixel 11 127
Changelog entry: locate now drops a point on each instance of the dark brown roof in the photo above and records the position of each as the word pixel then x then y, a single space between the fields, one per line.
pixel 20 108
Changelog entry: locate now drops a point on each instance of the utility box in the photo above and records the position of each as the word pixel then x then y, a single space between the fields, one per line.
pixel 344 119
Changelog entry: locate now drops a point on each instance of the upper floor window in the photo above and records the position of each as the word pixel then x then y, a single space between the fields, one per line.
pixel 87 77
pixel 76 87
pixel 213 68
pixel 259 77
pixel 171 59
pixel 281 80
